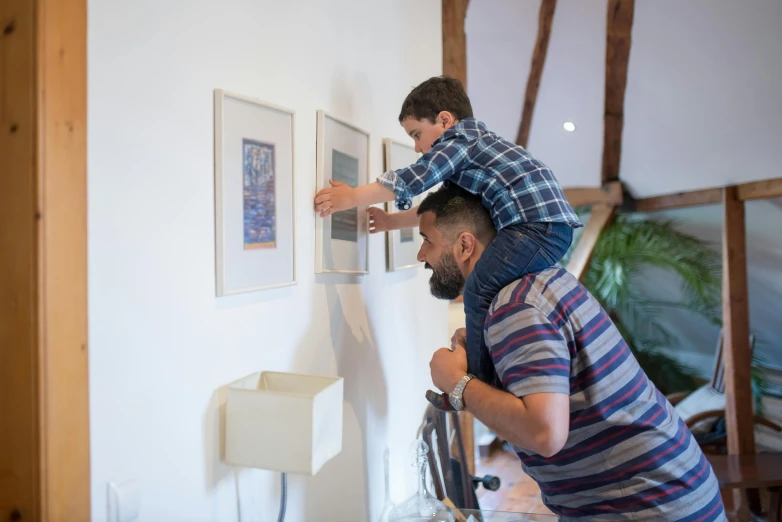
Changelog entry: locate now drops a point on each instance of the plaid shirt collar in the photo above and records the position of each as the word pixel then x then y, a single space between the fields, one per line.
pixel 468 128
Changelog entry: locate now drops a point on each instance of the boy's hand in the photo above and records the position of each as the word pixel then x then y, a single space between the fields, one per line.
pixel 379 220
pixel 459 338
pixel 339 197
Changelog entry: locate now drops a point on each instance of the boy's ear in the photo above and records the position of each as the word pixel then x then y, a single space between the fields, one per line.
pixel 446 119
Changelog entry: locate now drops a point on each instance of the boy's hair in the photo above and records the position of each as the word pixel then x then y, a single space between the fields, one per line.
pixel 457 211
pixel 435 95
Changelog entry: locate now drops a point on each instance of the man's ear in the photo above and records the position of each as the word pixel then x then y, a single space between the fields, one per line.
pixel 465 246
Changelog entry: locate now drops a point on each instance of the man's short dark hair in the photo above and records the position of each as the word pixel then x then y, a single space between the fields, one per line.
pixel 455 209
pixel 435 95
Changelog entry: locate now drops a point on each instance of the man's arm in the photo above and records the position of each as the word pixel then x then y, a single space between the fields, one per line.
pixel 539 422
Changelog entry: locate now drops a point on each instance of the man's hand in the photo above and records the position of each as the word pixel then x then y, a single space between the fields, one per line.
pixel 340 196
pixel 379 220
pixel 459 338
pixel 448 367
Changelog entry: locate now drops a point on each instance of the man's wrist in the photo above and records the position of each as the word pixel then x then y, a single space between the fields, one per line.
pixel 455 381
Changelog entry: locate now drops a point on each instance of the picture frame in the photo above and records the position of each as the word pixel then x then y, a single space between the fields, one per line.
pixel 402 245
pixel 255 229
pixel 341 239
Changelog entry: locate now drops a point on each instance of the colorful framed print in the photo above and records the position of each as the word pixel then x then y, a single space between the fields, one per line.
pixel 254 195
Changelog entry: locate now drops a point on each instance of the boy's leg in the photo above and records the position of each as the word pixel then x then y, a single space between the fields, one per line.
pixel 517 250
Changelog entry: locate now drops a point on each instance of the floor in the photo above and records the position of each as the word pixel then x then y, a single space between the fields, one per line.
pixel 517 491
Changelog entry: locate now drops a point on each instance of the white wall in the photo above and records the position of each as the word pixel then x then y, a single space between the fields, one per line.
pixel 702 105
pixel 697 338
pixel 161 344
pixel 501 36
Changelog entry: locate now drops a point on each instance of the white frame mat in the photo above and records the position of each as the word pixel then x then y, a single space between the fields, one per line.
pixel 401 254
pixel 242 265
pixel 336 255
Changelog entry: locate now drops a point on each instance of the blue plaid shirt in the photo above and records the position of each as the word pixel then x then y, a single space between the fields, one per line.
pixel 514 185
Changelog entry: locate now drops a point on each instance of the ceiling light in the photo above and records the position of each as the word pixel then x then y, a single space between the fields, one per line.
pixel 569 126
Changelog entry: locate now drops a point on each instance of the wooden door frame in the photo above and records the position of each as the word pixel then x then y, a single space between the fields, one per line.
pixel 44 108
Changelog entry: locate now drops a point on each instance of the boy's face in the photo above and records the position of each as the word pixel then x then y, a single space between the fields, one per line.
pixel 424 132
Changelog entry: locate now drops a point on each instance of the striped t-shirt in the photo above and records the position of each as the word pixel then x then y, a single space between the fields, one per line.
pixel 628 455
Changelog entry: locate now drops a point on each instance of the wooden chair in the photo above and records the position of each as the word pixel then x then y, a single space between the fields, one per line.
pixel 450 477
pixel 703 410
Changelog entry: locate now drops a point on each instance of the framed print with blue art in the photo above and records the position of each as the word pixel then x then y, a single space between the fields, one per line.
pixel 404 244
pixel 254 213
pixel 341 239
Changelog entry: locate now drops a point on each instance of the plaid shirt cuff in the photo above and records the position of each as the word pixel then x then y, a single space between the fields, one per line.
pixel 392 181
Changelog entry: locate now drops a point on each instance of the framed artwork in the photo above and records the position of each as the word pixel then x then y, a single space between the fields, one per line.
pixel 341 239
pixel 254 211
pixel 404 244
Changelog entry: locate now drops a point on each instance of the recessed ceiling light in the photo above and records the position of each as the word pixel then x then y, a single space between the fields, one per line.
pixel 569 126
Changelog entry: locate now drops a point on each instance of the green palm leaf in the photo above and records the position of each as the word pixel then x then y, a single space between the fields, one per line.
pixel 626 249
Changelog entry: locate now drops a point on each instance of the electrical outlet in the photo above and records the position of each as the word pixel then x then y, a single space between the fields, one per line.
pixel 124 499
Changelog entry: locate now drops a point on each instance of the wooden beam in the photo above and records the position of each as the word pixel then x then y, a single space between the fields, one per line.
pixel 618 38
pixel 735 318
pixel 454 39
pixel 610 194
pixel 545 20
pixel 61 220
pixel 20 491
pixel 770 188
pixel 579 262
pixel 680 200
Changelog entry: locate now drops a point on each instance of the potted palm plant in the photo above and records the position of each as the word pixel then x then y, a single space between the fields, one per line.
pixel 626 249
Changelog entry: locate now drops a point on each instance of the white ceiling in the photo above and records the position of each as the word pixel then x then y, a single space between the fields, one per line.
pixel 703 100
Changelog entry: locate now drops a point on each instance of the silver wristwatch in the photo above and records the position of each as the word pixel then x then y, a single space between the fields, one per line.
pixel 456 396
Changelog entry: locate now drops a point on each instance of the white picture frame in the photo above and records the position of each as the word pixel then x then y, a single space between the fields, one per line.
pixel 341 239
pixel 255 245
pixel 402 245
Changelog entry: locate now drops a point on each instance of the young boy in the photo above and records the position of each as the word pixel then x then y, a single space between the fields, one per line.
pixel 533 219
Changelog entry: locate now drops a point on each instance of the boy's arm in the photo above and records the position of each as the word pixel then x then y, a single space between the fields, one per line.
pixel 382 221
pixel 342 196
pixel 435 166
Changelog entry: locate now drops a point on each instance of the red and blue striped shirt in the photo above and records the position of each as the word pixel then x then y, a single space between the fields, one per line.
pixel 628 455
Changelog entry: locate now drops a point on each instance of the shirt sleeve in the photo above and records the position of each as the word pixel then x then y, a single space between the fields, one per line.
pixel 437 165
pixel 530 355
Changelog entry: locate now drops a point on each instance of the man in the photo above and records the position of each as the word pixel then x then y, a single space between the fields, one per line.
pixel 589 427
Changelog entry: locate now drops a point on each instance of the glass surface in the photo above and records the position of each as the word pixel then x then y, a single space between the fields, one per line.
pixel 502 516
pixel 422 506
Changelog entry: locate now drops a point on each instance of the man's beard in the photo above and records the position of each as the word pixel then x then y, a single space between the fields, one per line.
pixel 447 280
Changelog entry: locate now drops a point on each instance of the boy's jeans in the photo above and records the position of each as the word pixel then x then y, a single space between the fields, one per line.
pixel 517 250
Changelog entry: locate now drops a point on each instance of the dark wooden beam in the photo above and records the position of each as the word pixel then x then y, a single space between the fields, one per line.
pixel 619 28
pixel 601 215
pixel 545 19
pixel 770 188
pixel 680 200
pixel 735 318
pixel 454 13
pixel 610 194
pixel 454 39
